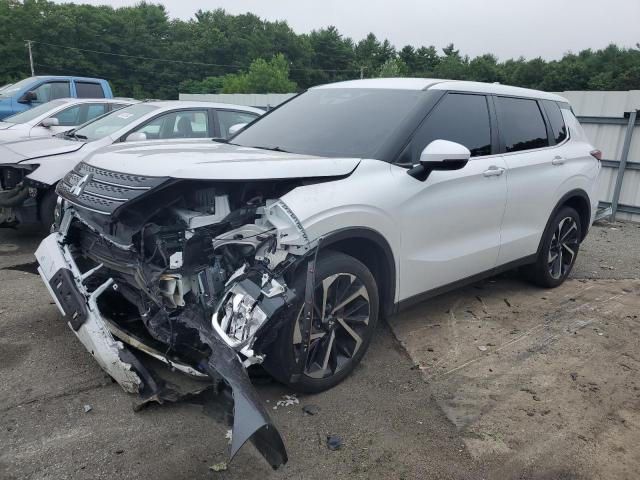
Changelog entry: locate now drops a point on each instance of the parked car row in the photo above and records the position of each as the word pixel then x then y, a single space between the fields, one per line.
pixel 30 168
pixel 284 244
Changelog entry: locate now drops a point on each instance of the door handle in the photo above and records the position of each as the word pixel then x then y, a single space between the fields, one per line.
pixel 493 171
pixel 558 160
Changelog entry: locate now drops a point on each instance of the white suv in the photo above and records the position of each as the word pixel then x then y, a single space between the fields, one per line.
pixel 284 245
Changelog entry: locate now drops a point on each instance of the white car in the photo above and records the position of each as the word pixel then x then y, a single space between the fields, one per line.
pixel 286 245
pixel 56 116
pixel 30 169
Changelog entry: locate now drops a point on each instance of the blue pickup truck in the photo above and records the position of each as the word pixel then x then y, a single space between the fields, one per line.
pixel 32 91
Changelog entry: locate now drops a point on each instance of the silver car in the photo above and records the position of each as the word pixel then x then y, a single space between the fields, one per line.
pixel 30 169
pixel 56 116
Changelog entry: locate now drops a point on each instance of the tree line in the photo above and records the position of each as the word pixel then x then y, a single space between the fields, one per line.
pixel 146 54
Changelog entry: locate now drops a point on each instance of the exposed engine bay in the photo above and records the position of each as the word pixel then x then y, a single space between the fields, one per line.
pixel 18 195
pixel 195 274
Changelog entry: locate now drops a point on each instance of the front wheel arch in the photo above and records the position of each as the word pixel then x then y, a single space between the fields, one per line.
pixel 372 249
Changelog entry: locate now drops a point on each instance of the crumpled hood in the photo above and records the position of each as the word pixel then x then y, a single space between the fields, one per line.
pixel 209 160
pixel 11 152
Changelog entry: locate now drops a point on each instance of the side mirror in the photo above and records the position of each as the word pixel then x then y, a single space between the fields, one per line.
pixel 50 122
pixel 440 155
pixel 28 97
pixel 233 129
pixel 136 137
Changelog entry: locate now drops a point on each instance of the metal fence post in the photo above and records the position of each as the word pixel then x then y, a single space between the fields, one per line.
pixel 623 163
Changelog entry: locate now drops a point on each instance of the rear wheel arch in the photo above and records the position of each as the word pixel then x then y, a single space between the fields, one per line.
pixel 577 199
pixel 372 249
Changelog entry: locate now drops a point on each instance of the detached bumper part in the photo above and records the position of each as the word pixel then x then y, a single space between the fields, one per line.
pixel 250 419
pixel 65 284
pixel 83 318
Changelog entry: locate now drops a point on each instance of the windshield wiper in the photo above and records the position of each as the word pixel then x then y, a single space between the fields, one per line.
pixel 73 134
pixel 273 149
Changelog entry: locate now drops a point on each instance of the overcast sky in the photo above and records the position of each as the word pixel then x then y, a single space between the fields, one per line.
pixel 506 28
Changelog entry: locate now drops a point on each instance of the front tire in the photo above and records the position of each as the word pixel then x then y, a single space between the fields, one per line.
pixel 346 310
pixel 559 249
pixel 47 209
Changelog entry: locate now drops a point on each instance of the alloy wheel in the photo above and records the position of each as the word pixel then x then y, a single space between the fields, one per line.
pixel 341 313
pixel 563 248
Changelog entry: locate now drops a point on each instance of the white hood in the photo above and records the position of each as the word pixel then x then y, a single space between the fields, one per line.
pixel 206 159
pixel 27 149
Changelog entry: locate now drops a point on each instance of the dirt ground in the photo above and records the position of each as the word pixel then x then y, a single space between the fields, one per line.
pixel 499 380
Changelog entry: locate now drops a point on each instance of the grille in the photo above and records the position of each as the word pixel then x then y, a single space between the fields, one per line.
pixel 101 190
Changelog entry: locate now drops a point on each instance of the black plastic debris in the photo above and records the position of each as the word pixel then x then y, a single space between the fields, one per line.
pixel 311 409
pixel 574 376
pixel 334 442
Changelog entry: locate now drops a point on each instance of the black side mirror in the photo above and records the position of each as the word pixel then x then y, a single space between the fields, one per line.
pixel 28 97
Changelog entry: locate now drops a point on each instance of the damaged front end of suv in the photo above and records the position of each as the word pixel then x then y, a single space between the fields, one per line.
pixel 195 274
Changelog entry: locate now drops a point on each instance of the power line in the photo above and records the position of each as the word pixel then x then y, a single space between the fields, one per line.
pixel 184 62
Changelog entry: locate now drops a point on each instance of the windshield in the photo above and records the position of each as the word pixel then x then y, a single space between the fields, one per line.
pixel 35 112
pixel 334 122
pixel 11 89
pixel 112 122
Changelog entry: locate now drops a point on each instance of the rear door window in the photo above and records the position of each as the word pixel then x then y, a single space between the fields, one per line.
pixel 460 118
pixel 554 114
pixel 521 124
pixel 89 90
pixel 181 124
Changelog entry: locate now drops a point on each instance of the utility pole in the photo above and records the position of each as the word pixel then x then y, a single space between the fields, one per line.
pixel 30 58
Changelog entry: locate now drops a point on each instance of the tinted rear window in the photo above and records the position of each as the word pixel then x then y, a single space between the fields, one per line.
pixel 89 90
pixel 458 118
pixel 555 118
pixel 521 124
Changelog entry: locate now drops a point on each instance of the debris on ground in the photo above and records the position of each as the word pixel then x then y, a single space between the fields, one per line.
pixel 87 408
pixel 482 348
pixel 311 409
pixel 229 436
pixel 334 442
pixel 287 401
pixel 219 467
pixel 574 376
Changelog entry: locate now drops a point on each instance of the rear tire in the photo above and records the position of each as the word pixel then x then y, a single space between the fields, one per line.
pixel 558 251
pixel 340 337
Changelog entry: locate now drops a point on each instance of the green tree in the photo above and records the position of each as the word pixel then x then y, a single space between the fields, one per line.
pixel 371 54
pixel 394 67
pixel 262 77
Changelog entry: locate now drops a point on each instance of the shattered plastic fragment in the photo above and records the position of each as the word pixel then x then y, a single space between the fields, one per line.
pixel 334 442
pixel 219 467
pixel 287 401
pixel 311 409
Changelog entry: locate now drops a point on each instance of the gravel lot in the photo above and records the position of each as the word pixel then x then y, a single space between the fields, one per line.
pixel 425 403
